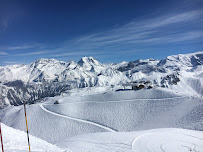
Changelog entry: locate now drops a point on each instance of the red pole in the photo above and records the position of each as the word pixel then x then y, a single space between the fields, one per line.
pixel 1 138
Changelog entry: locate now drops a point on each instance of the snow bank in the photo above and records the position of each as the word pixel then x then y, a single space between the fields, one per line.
pixel 16 141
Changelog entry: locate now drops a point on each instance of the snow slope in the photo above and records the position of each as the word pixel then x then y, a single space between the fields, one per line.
pixel 76 119
pixel 156 140
pixel 44 125
pixel 103 111
pixel 167 140
pixel 16 141
pixel 129 110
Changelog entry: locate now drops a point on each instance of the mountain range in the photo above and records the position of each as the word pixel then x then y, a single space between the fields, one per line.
pixel 50 77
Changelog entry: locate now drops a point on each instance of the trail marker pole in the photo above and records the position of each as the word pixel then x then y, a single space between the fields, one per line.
pixel 27 127
pixel 1 138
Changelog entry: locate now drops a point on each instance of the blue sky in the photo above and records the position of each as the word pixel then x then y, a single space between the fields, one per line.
pixel 109 30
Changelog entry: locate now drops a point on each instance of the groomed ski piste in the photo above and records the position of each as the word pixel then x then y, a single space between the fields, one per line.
pixel 101 119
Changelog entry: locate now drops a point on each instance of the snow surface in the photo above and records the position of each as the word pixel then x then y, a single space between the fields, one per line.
pixel 102 110
pixel 156 140
pixel 16 141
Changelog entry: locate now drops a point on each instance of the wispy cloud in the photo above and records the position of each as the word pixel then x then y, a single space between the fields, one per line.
pixel 164 29
pixel 37 52
pixel 21 48
pixel 76 53
pixel 3 53
pixel 25 46
pixel 33 53
pixel 161 29
pixel 166 20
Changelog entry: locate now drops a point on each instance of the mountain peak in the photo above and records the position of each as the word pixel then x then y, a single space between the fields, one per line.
pixel 45 60
pixel 180 60
pixel 89 62
pixel 87 59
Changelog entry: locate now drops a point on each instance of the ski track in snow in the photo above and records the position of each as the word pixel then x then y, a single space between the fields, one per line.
pixel 167 142
pixel 156 140
pixel 117 101
pixel 77 119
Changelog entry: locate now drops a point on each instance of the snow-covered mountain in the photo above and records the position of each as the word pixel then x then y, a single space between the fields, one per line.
pixel 50 77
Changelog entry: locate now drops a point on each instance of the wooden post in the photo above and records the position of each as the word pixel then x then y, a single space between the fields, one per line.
pixel 27 127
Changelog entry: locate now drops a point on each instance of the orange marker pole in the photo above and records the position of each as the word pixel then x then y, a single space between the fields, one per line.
pixel 1 138
pixel 27 128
